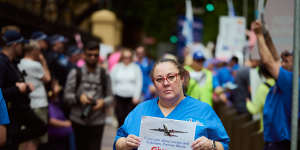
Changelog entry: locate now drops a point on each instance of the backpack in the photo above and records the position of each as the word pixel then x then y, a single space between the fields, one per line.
pixel 267 84
pixel 102 80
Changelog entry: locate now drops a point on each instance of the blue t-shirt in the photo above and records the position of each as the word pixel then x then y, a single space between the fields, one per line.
pixel 277 109
pixel 189 109
pixel 235 67
pixel 4 119
pixel 224 75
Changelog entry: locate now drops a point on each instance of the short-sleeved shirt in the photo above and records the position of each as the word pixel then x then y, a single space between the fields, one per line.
pixel 277 109
pixel 4 119
pixel 34 73
pixel 224 75
pixel 189 109
pixel 235 67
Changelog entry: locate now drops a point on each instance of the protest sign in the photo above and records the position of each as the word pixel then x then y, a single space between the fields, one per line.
pixel 166 134
pixel 231 39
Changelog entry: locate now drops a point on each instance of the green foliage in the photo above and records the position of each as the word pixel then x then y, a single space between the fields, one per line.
pixel 159 18
pixel 211 21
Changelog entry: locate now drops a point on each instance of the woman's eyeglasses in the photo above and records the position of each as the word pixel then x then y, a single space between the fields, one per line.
pixel 172 77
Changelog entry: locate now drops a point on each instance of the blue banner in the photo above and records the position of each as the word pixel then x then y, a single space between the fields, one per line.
pixel 197 33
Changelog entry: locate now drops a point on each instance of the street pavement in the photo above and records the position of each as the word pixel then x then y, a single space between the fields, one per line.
pixel 108 137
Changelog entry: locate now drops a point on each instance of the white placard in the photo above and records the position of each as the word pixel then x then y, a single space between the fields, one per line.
pixel 105 50
pixel 166 134
pixel 232 37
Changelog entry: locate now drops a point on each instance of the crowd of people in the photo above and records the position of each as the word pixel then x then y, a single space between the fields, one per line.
pixel 54 97
pixel 57 96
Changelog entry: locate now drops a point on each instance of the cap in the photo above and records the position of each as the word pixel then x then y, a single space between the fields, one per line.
pixel 12 36
pixel 57 38
pixel 198 56
pixel 73 50
pixel 39 36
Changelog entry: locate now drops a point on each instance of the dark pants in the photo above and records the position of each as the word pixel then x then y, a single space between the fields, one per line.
pixel 282 145
pixel 58 143
pixel 122 108
pixel 88 137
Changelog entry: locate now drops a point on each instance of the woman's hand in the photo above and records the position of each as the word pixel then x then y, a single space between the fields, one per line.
pixel 202 143
pixel 132 141
pixel 128 143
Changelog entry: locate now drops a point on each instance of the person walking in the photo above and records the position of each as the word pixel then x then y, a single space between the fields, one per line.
pixel 88 93
pixel 127 81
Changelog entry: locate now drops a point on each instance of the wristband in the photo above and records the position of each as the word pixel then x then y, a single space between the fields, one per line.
pixel 213 145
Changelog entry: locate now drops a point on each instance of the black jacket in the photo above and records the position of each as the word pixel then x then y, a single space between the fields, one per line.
pixel 20 113
pixel 9 75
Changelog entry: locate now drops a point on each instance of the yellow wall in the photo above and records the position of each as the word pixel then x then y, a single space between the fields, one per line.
pixel 106 26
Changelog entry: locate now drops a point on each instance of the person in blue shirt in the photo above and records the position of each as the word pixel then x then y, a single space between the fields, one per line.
pixel 171 103
pixel 146 65
pixel 4 119
pixel 277 109
pixel 224 74
pixel 234 65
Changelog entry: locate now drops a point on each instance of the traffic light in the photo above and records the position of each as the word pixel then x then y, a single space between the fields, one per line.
pixel 210 7
pixel 173 39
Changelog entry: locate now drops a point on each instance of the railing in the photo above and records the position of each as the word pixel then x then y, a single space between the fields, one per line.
pixel 243 131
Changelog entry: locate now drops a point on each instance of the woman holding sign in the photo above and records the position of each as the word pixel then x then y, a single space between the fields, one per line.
pixel 171 103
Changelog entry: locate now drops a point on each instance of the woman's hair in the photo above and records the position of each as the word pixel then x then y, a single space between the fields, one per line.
pixel 29 47
pixel 122 54
pixel 182 72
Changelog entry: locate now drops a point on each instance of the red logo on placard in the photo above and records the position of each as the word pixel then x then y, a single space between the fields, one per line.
pixel 157 148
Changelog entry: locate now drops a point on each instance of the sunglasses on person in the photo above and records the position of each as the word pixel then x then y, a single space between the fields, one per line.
pixel 171 78
pixel 90 55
